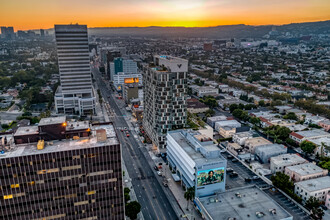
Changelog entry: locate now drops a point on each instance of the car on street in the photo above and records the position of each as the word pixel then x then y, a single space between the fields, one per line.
pixel 159 173
pixel 229 170
pixel 248 180
pixel 159 164
pixel 234 160
pixel 156 168
pixel 127 134
pixel 233 174
pixel 230 157
pixel 255 177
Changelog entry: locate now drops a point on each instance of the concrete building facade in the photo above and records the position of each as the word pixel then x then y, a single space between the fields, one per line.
pixel 196 161
pixel 165 105
pixel 75 95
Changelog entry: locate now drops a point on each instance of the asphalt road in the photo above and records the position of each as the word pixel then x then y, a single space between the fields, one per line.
pixel 150 194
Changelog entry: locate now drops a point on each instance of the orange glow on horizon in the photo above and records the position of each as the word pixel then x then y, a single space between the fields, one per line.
pixel 36 14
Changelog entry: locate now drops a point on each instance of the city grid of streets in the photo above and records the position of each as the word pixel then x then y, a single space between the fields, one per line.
pixel 149 192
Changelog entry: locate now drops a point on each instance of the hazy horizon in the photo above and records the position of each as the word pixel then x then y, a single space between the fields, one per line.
pixel 36 14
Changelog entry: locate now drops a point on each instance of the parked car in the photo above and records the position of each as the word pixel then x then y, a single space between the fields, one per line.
pixel 233 174
pixel 165 184
pixel 230 157
pixel 159 173
pixel 234 160
pixel 255 177
pixel 160 164
pixel 156 168
pixel 248 180
pixel 229 170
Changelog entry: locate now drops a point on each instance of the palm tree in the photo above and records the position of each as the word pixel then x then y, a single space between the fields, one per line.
pixel 189 195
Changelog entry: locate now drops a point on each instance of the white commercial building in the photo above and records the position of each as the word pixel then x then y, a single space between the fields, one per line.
pixel 241 137
pixel 75 95
pixel 119 79
pixel 318 188
pixel 280 162
pixel 204 90
pixel 305 171
pixel 196 161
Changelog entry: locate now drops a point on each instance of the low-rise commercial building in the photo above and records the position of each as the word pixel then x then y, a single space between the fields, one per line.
pixel 241 137
pixel 201 91
pixel 318 188
pixel 196 161
pixel 280 162
pixel 194 106
pixel 241 204
pixel 308 135
pixel 212 120
pixel 252 143
pixel 305 171
pixel 265 152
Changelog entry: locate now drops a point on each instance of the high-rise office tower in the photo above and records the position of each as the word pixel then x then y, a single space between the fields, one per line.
pixel 7 33
pixel 76 93
pixel 76 178
pixel 165 107
pixel 42 32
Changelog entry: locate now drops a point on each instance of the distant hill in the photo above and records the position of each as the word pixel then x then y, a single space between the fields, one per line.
pixel 225 31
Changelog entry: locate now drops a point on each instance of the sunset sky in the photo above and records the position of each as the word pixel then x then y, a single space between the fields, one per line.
pixel 35 14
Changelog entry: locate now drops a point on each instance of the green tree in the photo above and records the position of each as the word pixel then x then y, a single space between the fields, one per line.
pixel 126 194
pixel 312 202
pixel 282 181
pixel 317 213
pixel 232 107
pixel 262 103
pixel 255 121
pixel 291 116
pixel 307 147
pixel 132 209
pixel 189 195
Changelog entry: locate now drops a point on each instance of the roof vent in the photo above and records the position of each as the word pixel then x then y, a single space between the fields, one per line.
pixel 260 214
pixel 272 211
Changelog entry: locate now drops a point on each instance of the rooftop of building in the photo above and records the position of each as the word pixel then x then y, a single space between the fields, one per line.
pixel 258 141
pixel 305 169
pixel 28 130
pixel 196 156
pixel 169 58
pixel 64 145
pixel 313 133
pixel 243 203
pixel 286 159
pixel 315 184
pixel 52 120
pixel 271 147
pixel 77 125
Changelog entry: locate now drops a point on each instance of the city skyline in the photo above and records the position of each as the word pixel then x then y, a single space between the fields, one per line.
pixel 198 13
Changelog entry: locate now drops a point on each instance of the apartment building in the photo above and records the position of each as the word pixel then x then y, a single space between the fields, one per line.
pixel 318 188
pixel 280 162
pixel 165 105
pixel 305 171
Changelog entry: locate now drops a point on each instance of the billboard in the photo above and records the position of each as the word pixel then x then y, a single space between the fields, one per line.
pixel 211 176
pixel 131 80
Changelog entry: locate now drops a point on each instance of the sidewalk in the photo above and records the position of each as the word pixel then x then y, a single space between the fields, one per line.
pixel 176 189
pixel 128 184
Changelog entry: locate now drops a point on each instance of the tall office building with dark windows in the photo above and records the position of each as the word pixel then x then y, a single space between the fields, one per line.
pixel 76 94
pixel 165 105
pixel 72 172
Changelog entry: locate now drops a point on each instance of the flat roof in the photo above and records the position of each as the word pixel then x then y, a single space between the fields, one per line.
pixel 28 130
pixel 52 120
pixel 196 156
pixel 315 184
pixel 287 159
pixel 257 141
pixel 64 145
pixel 313 133
pixel 77 125
pixel 305 169
pixel 271 147
pixel 251 201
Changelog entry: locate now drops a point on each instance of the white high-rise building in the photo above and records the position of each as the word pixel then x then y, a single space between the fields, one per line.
pixel 75 95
